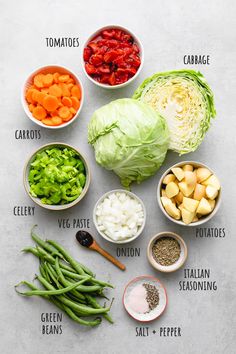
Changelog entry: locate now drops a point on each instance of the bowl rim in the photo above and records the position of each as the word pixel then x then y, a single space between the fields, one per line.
pixel 133 196
pixel 105 86
pixel 204 219
pixel 135 280
pixel 25 105
pixel 56 207
pixel 165 269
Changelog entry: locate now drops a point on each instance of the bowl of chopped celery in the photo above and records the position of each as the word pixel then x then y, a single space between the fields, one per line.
pixel 56 176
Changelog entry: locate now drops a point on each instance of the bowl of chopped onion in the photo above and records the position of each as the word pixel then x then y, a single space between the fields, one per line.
pixel 119 216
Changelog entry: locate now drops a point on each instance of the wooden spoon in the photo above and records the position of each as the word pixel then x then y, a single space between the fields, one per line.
pixel 86 240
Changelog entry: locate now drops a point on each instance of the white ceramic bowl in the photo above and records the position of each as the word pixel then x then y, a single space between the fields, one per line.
pixel 48 70
pixel 134 196
pixel 173 267
pixel 109 87
pixel 37 200
pixel 153 314
pixel 203 219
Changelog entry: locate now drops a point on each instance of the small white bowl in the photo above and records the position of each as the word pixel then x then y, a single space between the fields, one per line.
pixel 173 267
pixel 153 314
pixel 109 87
pixel 203 219
pixel 132 195
pixel 48 70
pixel 37 200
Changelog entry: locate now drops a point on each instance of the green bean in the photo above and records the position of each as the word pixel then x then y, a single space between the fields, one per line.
pixel 67 310
pixel 75 306
pixel 49 292
pixel 96 305
pixel 93 280
pixel 60 276
pixel 67 257
pixel 44 244
pixel 73 316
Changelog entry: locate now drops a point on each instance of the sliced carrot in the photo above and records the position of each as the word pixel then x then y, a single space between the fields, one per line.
pixel 75 102
pixel 56 77
pixel 73 111
pixel 55 90
pixel 54 114
pixel 35 95
pixel 70 116
pixel 63 78
pixel 75 91
pixel 28 95
pixel 39 113
pixel 48 80
pixel 38 80
pixel 65 90
pixel 71 81
pixel 47 121
pixel 64 112
pixel 50 103
pixel 57 120
pixel 45 90
pixel 31 107
pixel 69 86
pixel 66 101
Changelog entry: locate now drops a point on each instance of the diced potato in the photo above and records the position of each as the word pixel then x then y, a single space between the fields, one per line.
pixel 165 201
pixel 173 211
pixel 202 174
pixel 190 204
pixel 199 191
pixel 187 216
pixel 178 172
pixel 179 198
pixel 168 178
pixel 190 178
pixel 212 203
pixel 213 181
pixel 211 192
pixel 187 168
pixel 181 206
pixel 186 189
pixel 163 193
pixel 204 207
pixel 172 189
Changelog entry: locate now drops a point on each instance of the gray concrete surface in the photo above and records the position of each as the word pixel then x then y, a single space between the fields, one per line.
pixel 168 31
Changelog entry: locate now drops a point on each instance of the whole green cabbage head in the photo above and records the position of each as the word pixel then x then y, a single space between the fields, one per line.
pixel 129 138
pixel 185 100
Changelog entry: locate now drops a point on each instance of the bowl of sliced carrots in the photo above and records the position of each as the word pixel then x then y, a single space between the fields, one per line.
pixel 52 97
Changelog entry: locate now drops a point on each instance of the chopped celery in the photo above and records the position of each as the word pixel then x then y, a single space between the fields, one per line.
pixel 57 176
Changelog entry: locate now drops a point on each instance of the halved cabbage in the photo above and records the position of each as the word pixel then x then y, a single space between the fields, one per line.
pixel 185 100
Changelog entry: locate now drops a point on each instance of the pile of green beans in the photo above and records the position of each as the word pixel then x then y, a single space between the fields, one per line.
pixel 68 284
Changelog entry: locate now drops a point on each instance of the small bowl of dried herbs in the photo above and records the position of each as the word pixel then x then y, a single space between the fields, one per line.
pixel 167 252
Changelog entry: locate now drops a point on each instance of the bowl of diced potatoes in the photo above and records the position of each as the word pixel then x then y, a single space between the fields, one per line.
pixel 189 193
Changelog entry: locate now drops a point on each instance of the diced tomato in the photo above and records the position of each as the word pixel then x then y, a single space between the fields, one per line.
pixel 104 69
pixel 112 57
pixel 96 59
pixel 112 79
pixel 108 34
pixel 87 53
pixel 94 46
pixel 90 69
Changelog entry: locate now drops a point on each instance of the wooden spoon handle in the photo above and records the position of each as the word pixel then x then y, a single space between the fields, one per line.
pixel 107 255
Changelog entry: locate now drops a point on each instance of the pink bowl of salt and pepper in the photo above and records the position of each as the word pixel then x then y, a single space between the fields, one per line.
pixel 134 299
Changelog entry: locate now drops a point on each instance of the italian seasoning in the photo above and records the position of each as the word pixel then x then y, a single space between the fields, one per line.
pixel 166 251
pixel 152 297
